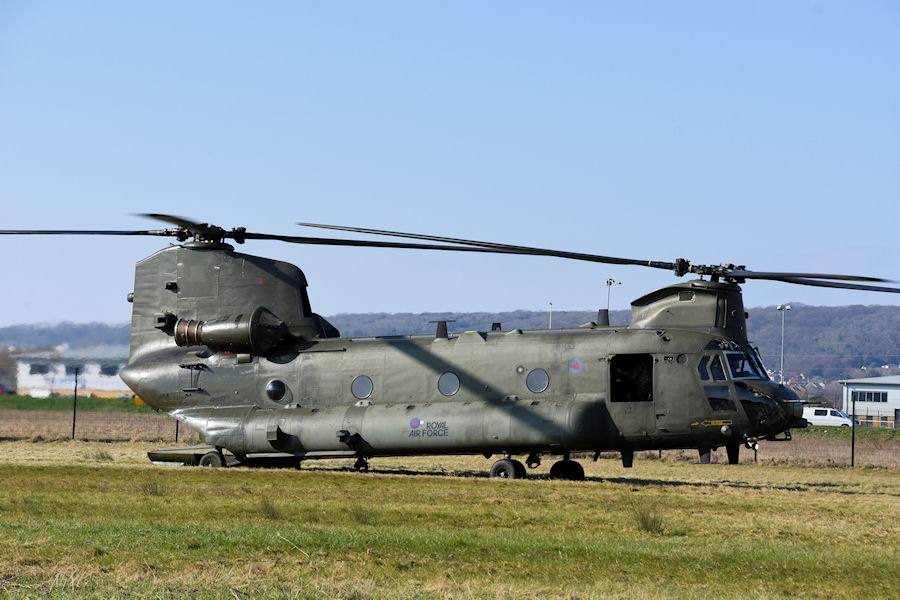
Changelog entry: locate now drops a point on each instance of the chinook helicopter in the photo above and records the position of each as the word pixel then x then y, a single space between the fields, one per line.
pixel 228 344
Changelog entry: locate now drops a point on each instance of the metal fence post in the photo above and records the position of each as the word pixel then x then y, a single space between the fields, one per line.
pixel 74 403
pixel 853 433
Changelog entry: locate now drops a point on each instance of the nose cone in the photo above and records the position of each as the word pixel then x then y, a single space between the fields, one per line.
pixel 768 414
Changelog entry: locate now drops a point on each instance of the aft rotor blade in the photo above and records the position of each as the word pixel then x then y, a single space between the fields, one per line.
pixel 157 232
pixel 175 220
pixel 503 247
pixel 315 241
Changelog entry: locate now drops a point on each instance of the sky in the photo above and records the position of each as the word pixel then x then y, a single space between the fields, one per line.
pixel 764 134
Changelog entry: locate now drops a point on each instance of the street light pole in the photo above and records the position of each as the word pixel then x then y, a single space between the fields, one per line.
pixel 783 308
pixel 609 283
pixel 551 315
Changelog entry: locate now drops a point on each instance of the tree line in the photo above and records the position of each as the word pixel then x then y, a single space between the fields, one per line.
pixel 820 341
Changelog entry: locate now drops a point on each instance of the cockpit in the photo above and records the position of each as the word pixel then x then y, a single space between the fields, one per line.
pixel 740 365
pixel 745 365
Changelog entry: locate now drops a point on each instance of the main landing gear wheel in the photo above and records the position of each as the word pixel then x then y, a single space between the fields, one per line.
pixel 361 464
pixel 567 469
pixel 506 468
pixel 521 473
pixel 211 459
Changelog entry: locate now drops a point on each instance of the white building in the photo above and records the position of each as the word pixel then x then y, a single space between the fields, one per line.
pixel 53 372
pixel 877 400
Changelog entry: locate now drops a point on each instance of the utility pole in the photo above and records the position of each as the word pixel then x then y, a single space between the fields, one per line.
pixel 852 430
pixel 783 308
pixel 609 283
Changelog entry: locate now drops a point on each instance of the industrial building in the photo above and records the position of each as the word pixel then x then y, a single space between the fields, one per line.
pixel 876 399
pixel 53 372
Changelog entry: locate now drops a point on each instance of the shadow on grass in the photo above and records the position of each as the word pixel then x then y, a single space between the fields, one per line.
pixel 849 489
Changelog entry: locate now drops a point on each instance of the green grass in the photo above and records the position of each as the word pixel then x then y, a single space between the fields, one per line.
pixel 660 530
pixel 60 403
pixel 863 434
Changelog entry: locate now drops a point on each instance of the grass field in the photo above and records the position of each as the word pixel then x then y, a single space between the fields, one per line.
pixel 42 419
pixel 96 520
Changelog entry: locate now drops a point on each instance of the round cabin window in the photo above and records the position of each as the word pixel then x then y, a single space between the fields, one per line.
pixel 537 381
pixel 276 390
pixel 448 384
pixel 362 387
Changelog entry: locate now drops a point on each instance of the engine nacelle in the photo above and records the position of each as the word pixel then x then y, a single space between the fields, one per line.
pixel 256 332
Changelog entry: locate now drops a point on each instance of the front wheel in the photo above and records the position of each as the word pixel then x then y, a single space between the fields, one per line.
pixel 211 459
pixel 504 469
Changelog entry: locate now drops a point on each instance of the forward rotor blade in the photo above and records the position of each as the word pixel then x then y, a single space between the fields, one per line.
pixel 503 247
pixel 780 276
pixel 699 269
pixel 838 284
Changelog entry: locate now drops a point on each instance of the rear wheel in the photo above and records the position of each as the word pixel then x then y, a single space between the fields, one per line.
pixel 519 468
pixel 567 469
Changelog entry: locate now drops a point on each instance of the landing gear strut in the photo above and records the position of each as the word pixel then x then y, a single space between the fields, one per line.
pixel 734 453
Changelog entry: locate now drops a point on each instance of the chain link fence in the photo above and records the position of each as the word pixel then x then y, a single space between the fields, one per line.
pixel 98 420
pixel 23 418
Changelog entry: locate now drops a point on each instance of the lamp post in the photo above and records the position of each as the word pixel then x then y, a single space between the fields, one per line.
pixel 783 308
pixel 551 315
pixel 609 283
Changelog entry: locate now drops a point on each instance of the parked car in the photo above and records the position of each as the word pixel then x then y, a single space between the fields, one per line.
pixel 820 415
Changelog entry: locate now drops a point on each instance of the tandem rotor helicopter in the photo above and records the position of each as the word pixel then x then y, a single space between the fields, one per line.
pixel 228 344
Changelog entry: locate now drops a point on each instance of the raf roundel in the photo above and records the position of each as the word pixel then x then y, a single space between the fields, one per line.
pixel 576 366
pixel 415 423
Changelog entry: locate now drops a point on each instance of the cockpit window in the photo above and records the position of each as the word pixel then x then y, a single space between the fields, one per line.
pixel 715 367
pixel 701 368
pixel 742 367
pixel 753 353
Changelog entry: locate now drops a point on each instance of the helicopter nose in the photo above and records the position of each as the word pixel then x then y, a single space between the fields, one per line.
pixel 794 414
pixel 768 414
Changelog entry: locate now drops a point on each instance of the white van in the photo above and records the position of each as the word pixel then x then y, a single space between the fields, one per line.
pixel 818 415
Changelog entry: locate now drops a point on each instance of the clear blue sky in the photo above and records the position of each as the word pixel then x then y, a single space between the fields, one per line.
pixel 763 133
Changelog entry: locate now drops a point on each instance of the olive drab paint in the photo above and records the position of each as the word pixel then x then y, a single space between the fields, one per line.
pixel 228 344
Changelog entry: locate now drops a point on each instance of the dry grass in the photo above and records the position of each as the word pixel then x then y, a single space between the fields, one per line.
pixel 74 525
pixel 91 425
pixel 798 452
pixel 805 450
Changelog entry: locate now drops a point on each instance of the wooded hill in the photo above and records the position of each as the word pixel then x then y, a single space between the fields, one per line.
pixel 820 341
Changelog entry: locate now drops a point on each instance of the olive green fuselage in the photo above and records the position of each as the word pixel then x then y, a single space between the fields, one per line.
pixel 255 372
